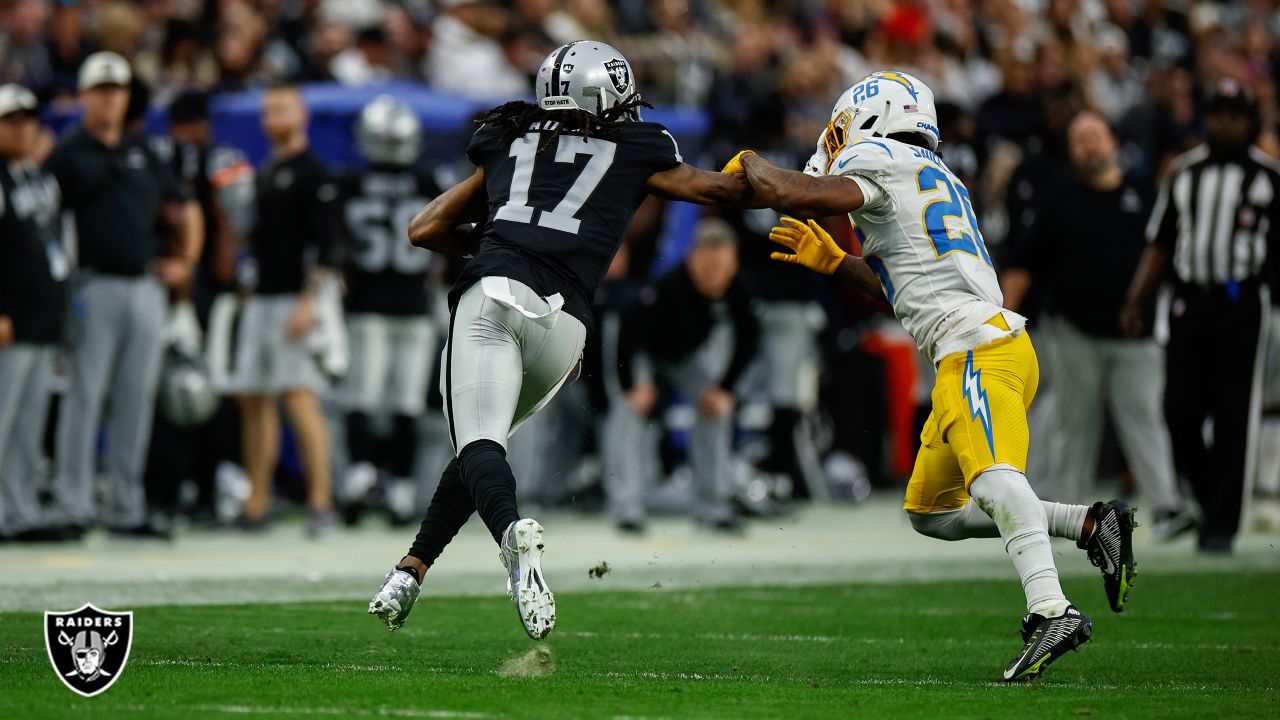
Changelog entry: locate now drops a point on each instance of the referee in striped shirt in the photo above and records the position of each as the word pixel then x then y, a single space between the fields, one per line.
pixel 1216 222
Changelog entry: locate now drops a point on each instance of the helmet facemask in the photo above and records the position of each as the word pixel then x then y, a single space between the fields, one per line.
pixel 882 104
pixel 847 126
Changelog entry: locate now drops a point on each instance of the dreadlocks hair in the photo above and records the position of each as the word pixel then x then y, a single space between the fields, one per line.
pixel 517 115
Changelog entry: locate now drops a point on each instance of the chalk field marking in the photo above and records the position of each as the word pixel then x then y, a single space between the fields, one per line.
pixel 728 637
pixel 904 682
pixel 340 712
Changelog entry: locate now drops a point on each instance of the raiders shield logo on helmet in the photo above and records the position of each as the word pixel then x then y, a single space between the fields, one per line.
pixel 619 73
pixel 88 647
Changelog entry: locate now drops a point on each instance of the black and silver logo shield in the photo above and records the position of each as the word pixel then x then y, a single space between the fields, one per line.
pixel 88 647
pixel 619 73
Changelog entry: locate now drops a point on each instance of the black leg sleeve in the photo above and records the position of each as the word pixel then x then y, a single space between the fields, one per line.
pixel 359 438
pixel 492 484
pixel 403 448
pixel 450 509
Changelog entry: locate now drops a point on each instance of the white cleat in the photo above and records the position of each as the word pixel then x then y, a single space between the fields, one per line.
pixel 395 599
pixel 522 556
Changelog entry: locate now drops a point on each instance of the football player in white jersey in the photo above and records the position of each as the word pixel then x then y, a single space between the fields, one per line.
pixel 877 163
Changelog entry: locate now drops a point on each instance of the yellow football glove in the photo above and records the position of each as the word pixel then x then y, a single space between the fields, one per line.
pixel 735 165
pixel 810 246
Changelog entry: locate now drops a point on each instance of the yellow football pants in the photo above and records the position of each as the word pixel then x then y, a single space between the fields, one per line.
pixel 979 419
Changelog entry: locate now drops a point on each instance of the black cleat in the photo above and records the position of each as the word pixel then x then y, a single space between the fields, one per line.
pixel 1046 640
pixel 1110 548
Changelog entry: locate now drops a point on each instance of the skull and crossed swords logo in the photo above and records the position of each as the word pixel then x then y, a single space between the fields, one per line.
pixel 88 647
pixel 619 73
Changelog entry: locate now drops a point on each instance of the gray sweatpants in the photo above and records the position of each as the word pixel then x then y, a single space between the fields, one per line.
pixel 1128 376
pixel 119 333
pixel 26 374
pixel 509 351
pixel 627 444
pixel 789 348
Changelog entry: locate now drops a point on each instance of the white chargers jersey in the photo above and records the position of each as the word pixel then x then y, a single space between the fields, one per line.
pixel 920 235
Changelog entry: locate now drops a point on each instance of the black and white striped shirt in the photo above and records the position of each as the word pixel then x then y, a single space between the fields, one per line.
pixel 1219 218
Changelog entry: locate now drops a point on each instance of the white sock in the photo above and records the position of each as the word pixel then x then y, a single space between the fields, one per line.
pixel 1004 494
pixel 1065 521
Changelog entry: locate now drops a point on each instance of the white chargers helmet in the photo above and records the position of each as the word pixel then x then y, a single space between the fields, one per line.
pixel 389 132
pixel 586 75
pixel 881 104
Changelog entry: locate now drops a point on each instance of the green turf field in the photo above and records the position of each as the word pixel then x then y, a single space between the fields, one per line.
pixel 1193 646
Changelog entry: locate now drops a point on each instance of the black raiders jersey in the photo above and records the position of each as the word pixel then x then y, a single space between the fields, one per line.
pixel 33 268
pixel 557 217
pixel 384 273
pixel 204 170
pixel 297 224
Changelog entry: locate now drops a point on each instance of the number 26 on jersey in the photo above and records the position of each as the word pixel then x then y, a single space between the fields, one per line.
pixel 954 204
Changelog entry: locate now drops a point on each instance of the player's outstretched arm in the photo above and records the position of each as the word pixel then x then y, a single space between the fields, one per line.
pixel 685 182
pixel 796 193
pixel 436 227
pixel 814 248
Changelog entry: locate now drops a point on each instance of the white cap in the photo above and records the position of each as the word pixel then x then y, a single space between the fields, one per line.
pixel 15 98
pixel 104 68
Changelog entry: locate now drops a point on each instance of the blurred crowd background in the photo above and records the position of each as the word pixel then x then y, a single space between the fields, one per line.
pixel 830 399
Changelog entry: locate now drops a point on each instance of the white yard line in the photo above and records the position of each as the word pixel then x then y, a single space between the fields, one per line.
pixel 903 682
pixel 240 709
pixel 865 544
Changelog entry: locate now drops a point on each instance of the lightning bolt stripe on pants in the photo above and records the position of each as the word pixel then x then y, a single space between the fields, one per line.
pixel 979 407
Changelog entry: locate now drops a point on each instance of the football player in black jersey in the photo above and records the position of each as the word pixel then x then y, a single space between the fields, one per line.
pixel 555 187
pixel 387 304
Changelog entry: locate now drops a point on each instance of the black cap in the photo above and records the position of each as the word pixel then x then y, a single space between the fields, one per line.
pixel 1230 96
pixel 190 106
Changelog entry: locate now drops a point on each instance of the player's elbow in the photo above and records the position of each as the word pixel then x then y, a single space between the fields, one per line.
pixel 424 228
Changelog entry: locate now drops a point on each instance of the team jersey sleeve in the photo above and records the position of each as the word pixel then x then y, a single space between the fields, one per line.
pixel 656 145
pixel 871 164
pixel 483 142
pixel 228 165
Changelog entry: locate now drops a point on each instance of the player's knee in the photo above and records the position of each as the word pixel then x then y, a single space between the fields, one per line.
pixel 1000 482
pixel 940 525
pixel 1003 492
pixel 301 401
pixel 482 457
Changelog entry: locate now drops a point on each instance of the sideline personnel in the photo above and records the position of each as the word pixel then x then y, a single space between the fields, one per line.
pixel 33 272
pixel 116 187
pixel 1215 222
